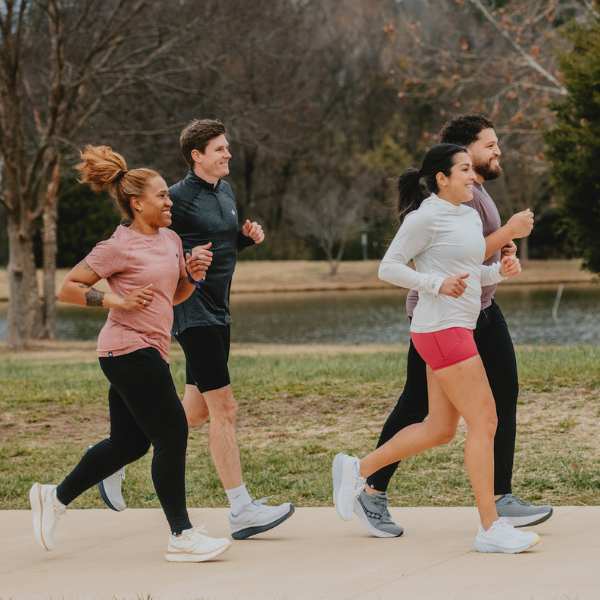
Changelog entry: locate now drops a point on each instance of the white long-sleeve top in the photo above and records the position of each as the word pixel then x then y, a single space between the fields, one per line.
pixel 443 240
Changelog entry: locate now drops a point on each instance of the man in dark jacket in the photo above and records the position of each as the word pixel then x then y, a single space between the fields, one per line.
pixel 204 215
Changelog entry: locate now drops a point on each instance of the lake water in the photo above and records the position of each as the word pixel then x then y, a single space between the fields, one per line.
pixel 374 316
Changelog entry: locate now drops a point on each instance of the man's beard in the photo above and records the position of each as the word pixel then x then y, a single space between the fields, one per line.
pixel 488 172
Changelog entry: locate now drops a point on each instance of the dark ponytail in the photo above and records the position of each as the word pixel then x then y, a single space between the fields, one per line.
pixel 411 192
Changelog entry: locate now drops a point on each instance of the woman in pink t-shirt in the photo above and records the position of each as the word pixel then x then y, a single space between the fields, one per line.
pixel 144 265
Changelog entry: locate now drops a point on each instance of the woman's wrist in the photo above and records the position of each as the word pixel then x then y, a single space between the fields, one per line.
pixel 193 281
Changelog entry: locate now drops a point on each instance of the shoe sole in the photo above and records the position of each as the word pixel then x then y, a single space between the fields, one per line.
pixel 35 499
pixel 529 520
pixel 106 499
pixel 337 474
pixel 188 557
pixel 485 547
pixel 242 534
pixel 362 517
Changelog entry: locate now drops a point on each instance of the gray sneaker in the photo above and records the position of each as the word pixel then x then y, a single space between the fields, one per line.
pixel 520 513
pixel 371 509
pixel 257 517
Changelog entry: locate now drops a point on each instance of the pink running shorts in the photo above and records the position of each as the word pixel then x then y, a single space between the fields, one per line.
pixel 440 349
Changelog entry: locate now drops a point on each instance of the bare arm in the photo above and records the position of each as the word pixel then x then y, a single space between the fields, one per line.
pixel 77 289
pixel 518 226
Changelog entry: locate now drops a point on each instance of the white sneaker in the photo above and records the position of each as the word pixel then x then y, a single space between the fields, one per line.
pixel 47 510
pixel 257 517
pixel 503 537
pixel 347 484
pixel 193 546
pixel 110 490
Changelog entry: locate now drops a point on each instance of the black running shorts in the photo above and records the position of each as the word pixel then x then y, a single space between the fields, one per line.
pixel 206 354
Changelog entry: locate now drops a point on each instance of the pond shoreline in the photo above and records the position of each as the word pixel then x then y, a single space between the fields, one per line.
pixel 73 351
pixel 256 277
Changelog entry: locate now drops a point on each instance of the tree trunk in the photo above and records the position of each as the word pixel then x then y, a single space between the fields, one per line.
pixel 334 262
pixel 330 259
pixel 50 216
pixel 338 258
pixel 24 311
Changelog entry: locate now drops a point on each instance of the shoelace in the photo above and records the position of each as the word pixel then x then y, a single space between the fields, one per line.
pixel 121 473
pixel 59 509
pixel 518 500
pixel 191 532
pixel 384 515
pixel 262 500
pixel 504 528
pixel 359 485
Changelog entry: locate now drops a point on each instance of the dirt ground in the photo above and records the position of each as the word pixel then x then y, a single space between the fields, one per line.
pixel 570 413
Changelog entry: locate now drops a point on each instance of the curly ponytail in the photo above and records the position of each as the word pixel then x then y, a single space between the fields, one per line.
pixel 102 168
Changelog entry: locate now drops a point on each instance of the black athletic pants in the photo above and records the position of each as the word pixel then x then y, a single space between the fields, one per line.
pixel 144 409
pixel 498 356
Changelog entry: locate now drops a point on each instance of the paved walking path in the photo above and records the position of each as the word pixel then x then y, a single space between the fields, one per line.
pixel 100 554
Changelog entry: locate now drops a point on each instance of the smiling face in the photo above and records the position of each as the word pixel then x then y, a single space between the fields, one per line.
pixel 486 154
pixel 154 207
pixel 458 186
pixel 213 163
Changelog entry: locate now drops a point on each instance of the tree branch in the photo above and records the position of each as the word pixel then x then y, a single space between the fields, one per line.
pixel 530 60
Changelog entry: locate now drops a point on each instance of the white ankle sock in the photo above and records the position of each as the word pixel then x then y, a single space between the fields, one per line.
pixel 238 498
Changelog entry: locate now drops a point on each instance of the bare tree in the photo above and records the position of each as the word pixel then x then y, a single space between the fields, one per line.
pixel 497 58
pixel 329 211
pixel 61 64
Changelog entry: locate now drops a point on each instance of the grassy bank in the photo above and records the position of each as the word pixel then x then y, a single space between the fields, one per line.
pixel 303 275
pixel 296 411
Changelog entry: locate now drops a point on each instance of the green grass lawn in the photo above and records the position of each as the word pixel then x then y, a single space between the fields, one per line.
pixel 296 412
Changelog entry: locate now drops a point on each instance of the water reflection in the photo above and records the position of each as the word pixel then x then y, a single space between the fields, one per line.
pixel 373 316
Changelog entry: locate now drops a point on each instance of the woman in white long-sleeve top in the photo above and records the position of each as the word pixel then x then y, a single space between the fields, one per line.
pixel 445 241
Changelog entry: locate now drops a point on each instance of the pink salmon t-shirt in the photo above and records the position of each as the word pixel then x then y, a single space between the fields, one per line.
pixel 130 260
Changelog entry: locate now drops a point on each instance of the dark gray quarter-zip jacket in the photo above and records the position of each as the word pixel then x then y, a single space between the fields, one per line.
pixel 204 213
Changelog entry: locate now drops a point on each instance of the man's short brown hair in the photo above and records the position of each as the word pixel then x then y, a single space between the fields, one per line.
pixel 196 136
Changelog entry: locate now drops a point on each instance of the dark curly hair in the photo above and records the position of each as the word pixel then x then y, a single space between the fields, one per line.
pixel 464 129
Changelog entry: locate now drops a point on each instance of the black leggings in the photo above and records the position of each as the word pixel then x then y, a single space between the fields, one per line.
pixel 498 356
pixel 144 409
